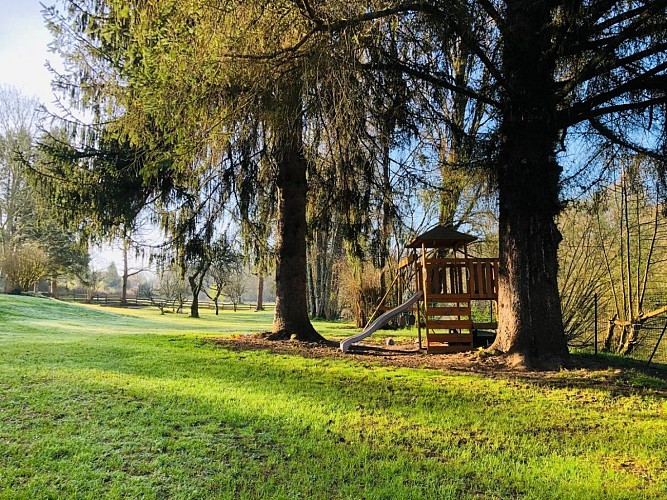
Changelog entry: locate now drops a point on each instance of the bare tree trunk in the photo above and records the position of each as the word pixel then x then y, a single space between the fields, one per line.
pixel 260 293
pixel 323 291
pixel 529 310
pixel 54 286
pixel 632 338
pixel 387 216
pixel 123 293
pixel 623 338
pixel 610 334
pixel 311 283
pixel 654 238
pixel 320 266
pixel 630 310
pixel 332 308
pixel 325 248
pixel 291 313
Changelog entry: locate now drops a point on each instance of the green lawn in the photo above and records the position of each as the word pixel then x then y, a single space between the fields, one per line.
pixel 99 403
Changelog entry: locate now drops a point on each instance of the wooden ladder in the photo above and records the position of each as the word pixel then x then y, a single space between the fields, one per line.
pixel 448 323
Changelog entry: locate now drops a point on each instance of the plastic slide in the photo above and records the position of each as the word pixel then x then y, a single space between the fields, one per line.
pixel 380 322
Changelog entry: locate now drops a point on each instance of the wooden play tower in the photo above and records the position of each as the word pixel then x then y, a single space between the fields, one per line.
pixel 450 280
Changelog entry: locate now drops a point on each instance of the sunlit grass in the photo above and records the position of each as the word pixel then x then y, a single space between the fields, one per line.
pixel 93 402
pixel 37 314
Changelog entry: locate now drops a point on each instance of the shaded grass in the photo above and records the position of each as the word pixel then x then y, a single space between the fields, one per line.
pixel 97 403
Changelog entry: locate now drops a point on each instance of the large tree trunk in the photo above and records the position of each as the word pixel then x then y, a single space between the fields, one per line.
pixel 291 313
pixel 196 282
pixel 529 313
pixel 194 305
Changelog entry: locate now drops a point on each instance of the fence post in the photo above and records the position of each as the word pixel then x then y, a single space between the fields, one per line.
pixel 655 349
pixel 595 301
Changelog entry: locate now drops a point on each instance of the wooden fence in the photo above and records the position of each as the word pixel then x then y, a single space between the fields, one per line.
pixel 134 301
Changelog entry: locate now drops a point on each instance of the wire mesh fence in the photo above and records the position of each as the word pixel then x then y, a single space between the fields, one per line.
pixel 589 329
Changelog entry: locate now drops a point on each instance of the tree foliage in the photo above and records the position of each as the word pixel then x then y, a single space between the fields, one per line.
pixel 25 216
pixel 24 266
pixel 18 121
pixel 226 262
pixel 238 92
pixel 557 69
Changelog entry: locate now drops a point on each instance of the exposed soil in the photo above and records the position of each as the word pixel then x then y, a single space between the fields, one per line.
pixel 577 371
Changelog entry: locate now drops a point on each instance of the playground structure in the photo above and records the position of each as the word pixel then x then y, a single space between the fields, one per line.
pixel 445 281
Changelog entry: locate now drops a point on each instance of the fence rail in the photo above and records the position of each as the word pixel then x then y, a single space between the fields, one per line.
pixel 134 301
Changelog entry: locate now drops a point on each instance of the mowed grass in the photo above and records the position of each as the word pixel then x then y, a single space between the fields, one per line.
pixel 95 403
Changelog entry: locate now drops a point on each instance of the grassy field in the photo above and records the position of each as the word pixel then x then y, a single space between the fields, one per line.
pixel 96 402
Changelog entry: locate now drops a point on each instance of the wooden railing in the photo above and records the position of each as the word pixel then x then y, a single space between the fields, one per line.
pixel 446 276
pixel 475 278
pixel 483 278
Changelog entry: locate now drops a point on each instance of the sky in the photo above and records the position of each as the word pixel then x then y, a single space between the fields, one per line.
pixel 24 52
pixel 24 49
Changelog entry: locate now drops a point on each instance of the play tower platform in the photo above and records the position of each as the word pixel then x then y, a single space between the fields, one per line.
pixel 449 280
pixel 443 281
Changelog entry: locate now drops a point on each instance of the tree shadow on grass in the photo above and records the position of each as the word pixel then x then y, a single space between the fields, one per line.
pixel 619 376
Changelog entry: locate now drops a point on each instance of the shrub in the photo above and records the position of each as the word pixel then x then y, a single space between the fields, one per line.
pixel 23 267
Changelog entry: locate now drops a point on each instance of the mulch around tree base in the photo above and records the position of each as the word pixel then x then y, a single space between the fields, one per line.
pixel 577 371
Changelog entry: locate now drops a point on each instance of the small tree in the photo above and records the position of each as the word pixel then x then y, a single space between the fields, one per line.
pixel 235 286
pixel 172 290
pixel 196 259
pixel 111 277
pixel 150 290
pixel 68 256
pixel 92 280
pixel 580 274
pixel 127 273
pixel 226 260
pixel 631 223
pixel 24 267
pixel 360 288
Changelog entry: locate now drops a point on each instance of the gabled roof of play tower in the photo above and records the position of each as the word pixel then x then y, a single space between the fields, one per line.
pixel 441 237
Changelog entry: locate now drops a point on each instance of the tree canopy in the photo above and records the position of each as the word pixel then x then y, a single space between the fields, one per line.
pixel 225 96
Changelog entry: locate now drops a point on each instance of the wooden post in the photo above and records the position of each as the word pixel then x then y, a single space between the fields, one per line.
pixel 419 287
pixel 655 349
pixel 426 286
pixel 399 289
pixel 371 318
